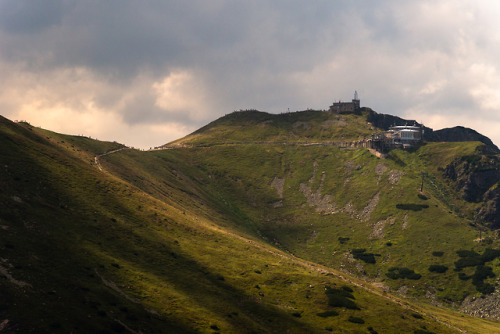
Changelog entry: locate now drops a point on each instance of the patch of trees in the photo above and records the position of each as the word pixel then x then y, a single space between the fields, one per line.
pixel 470 258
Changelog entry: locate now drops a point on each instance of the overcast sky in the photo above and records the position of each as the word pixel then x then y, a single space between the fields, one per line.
pixel 147 72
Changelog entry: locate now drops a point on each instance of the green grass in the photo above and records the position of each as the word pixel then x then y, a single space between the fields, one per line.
pixel 260 127
pixel 191 239
pixel 229 176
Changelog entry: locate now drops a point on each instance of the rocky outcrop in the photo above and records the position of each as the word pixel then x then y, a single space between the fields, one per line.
pixel 477 178
pixel 385 121
pixel 458 133
pixel 485 307
pixel 490 212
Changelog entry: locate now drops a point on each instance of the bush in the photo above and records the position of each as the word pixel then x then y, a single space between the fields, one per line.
pixel 468 262
pixel 485 288
pixel 422 197
pixel 463 276
pixel 437 254
pixel 490 254
pixel 347 288
pixel 421 331
pixel 417 316
pixel 371 330
pixel 482 273
pixel 356 320
pixel 467 253
pixel 360 254
pixel 396 273
pixel 469 258
pixel 341 298
pixel 437 268
pixel 411 206
pixel 343 240
pixel 327 314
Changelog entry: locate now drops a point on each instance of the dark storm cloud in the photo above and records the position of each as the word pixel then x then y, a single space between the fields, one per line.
pixel 24 16
pixel 189 62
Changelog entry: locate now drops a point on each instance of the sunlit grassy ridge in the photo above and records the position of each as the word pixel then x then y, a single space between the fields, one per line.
pixel 198 239
pixel 299 127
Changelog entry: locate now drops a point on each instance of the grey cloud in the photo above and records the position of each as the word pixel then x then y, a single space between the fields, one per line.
pixel 24 16
pixel 260 54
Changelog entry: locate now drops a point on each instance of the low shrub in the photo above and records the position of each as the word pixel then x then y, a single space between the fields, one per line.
pixel 437 253
pixel 371 330
pixel 437 268
pixel 482 273
pixel 468 262
pixel 343 240
pixel 360 254
pixel 411 206
pixel 485 288
pixel 396 273
pixel 347 288
pixel 417 316
pixel 490 254
pixel 470 258
pixel 356 320
pixel 467 253
pixel 422 197
pixel 463 276
pixel 341 298
pixel 327 314
pixel 422 331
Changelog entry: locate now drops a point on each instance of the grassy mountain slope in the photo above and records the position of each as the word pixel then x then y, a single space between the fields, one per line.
pixel 324 203
pixel 255 126
pixel 83 251
pixel 189 239
pixel 332 202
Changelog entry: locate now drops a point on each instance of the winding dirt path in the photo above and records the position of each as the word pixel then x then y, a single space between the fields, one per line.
pixel 98 156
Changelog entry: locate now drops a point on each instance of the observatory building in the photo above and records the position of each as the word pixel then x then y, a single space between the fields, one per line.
pixel 346 107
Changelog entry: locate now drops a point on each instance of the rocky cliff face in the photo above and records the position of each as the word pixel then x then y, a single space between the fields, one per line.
pixel 477 178
pixel 385 121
